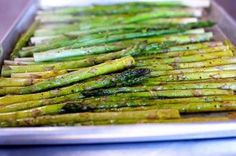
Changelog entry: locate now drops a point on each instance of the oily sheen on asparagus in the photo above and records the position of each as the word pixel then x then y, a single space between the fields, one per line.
pixel 123 63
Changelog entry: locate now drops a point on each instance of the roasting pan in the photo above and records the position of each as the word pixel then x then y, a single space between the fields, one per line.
pixel 115 133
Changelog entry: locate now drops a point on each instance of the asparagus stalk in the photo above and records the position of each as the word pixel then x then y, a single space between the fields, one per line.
pixel 183 53
pixel 24 59
pixel 114 101
pixel 13 82
pixel 174 93
pixel 24 39
pixel 121 37
pixel 9 62
pixel 82 117
pixel 201 64
pixel 128 6
pixel 108 102
pixel 152 81
pixel 41 75
pixel 125 78
pixel 183 59
pixel 58 30
pixel 162 49
pixel 6 90
pixel 17 90
pixel 210 63
pixel 189 107
pixel 124 8
pixel 66 65
pixel 193 70
pixel 129 28
pixel 51 109
pixel 179 20
pixel 63 54
pixel 87 61
pixel 164 13
pixel 82 74
pixel 51 55
pixel 104 31
pixel 38 103
pixel 206 85
pixel 193 46
pixel 196 76
pixel 113 19
pixel 178 39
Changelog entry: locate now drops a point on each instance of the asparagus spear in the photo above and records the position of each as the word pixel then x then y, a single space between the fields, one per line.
pixel 114 101
pixel 41 75
pixel 112 19
pixel 193 70
pixel 125 78
pixel 82 117
pixel 152 81
pixel 206 85
pixel 183 59
pixel 63 54
pixel 172 93
pixel 51 55
pixel 112 30
pixel 79 75
pixel 104 31
pixel 24 59
pixel 127 5
pixel 58 30
pixel 17 90
pixel 197 76
pixel 189 107
pixel 121 37
pixel 210 63
pixel 87 61
pixel 104 101
pixel 51 109
pixel 183 53
pixel 10 62
pixel 179 39
pixel 122 8
pixel 13 82
pixel 38 103
pixel 107 102
pixel 162 49
pixel 24 39
pixel 164 13
pixel 193 46
pixel 206 63
pixel 67 65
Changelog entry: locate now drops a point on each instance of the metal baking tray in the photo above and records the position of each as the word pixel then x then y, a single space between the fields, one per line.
pixel 118 133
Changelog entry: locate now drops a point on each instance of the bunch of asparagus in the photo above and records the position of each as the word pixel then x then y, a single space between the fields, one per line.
pixel 136 62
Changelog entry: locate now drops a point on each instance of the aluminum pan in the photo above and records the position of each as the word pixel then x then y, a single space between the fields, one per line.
pixel 129 133
pixel 115 134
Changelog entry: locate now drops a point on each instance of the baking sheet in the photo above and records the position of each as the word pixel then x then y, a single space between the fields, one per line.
pixel 127 133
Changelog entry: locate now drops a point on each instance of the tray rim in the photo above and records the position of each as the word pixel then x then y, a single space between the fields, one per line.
pixel 116 133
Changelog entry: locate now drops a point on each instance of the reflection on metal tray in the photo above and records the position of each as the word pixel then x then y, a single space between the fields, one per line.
pixel 124 133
